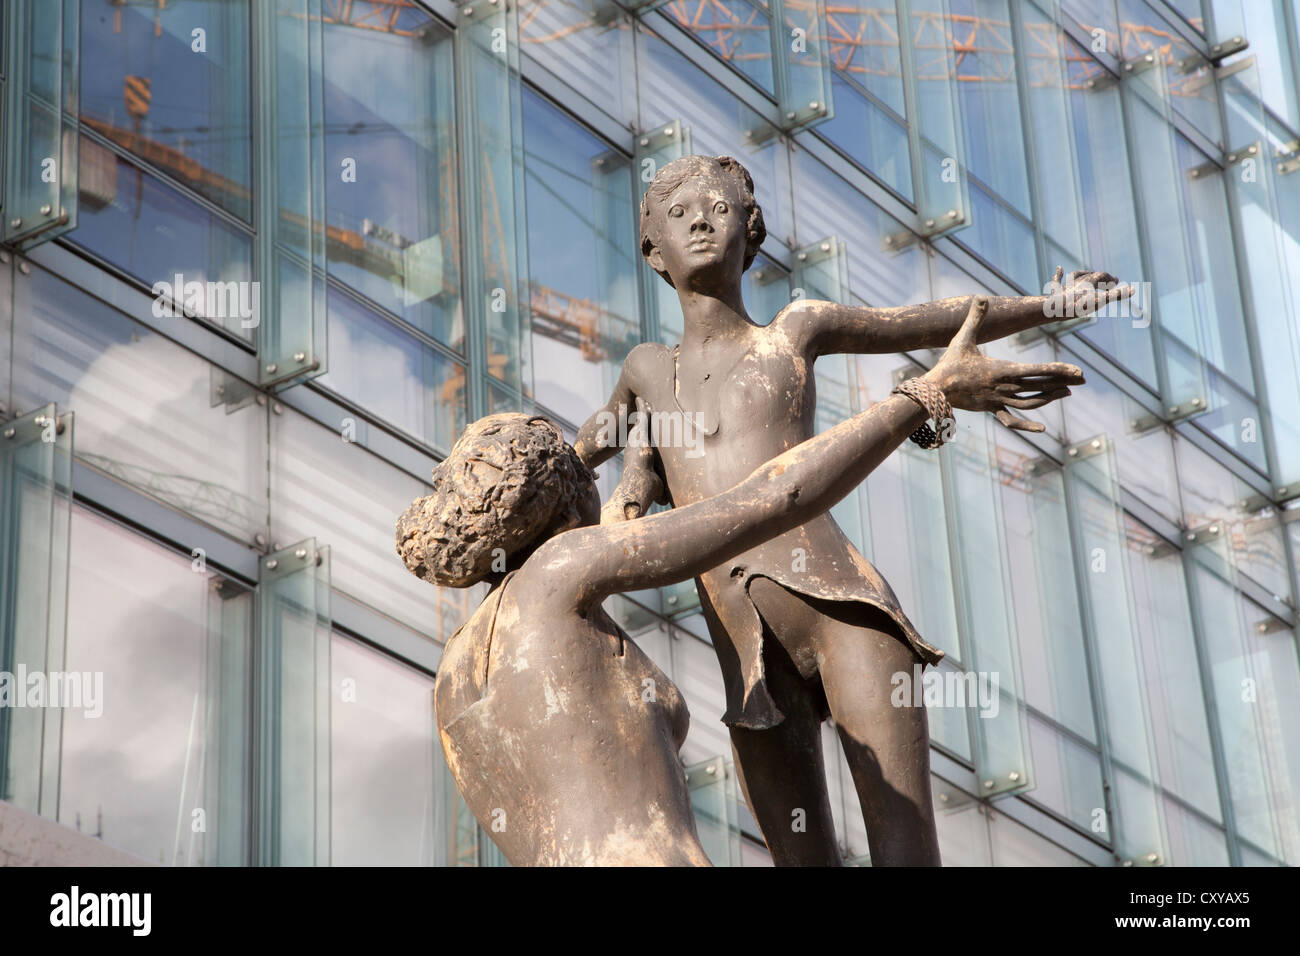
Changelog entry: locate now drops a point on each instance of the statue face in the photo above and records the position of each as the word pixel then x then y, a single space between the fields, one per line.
pixel 700 233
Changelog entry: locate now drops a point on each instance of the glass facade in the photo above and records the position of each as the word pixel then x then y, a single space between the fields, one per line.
pixel 290 248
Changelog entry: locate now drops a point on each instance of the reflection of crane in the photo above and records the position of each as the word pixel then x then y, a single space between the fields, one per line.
pixel 864 41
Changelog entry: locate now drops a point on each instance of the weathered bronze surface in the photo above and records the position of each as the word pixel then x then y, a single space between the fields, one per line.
pixel 804 626
pixel 561 734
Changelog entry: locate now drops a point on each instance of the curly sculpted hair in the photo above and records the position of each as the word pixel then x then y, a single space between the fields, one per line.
pixel 668 178
pixel 510 482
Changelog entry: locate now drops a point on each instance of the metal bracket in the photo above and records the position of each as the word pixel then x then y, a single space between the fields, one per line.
pixel 1244 153
pixel 1103 81
pixel 1271 625
pixel 1203 170
pixel 898 241
pixel 1253 504
pixel 286 561
pixel 1140 65
pixel 1147 859
pixel 929 228
pixel 662 137
pixel 1087 449
pixel 1226 48
pixel 1205 534
pixel 998 786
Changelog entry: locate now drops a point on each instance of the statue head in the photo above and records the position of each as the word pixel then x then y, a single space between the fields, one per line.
pixel 510 483
pixel 700 223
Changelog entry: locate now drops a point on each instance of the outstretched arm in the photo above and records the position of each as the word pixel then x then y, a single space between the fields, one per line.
pixel 585 565
pixel 828 328
pixel 597 440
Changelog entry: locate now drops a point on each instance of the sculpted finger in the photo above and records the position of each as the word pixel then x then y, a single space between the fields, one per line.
pixel 1029 373
pixel 1019 424
pixel 1037 401
pixel 1057 276
pixel 967 335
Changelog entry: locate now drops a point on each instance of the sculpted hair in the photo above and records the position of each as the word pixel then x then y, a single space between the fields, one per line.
pixel 509 479
pixel 668 178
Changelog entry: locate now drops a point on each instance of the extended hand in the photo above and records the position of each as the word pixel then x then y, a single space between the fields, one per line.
pixel 1082 293
pixel 973 381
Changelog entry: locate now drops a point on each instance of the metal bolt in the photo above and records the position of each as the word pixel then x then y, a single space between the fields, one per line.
pixel 270 368
pixel 468 11
pixel 803 257
pixel 1072 452
pixel 1153 858
pixel 4 258
pixel 261 399
pixel 1197 403
pixel 929 224
pixel 278 408
pixel 789 116
pixel 25 267
pixel 1283 490
pixel 825 247
pixel 952 213
pixel 272 564
pixel 1191 536
pixel 814 105
pixel 668 131
pixel 259 539
pixel 300 357
pixel 1014 776
pixel 988 784
pixel 300 554
pixel 711 770
pixel 10 432
pixel 15 223
pixel 645 141
pixel 1096 443
pixel 1173 409
pixel 672 599
pixel 45 209
pixel 1214 529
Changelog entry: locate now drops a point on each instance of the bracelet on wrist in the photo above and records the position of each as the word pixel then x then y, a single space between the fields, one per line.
pixel 931 398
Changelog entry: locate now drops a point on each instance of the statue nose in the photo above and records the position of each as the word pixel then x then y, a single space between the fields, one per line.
pixel 700 224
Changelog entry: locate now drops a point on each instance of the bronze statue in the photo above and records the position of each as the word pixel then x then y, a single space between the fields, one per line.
pixel 561 734
pixel 803 625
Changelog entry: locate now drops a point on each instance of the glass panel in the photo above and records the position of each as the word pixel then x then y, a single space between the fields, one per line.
pixel 40 112
pixel 170 84
pixel 930 79
pixel 35 501
pixel 1101 553
pixel 163 774
pixel 1002 237
pixel 1192 840
pixel 294 707
pixel 1068 777
pixel 736 31
pixel 1188 75
pixel 1272 648
pixel 1179 727
pixel 870 134
pixel 977 532
pixel 589 45
pixel 385 793
pixel 1267 195
pixel 581 213
pixel 291 184
pixel 1111 221
pixel 390 164
pixel 1016 845
pixel 151 414
pixel 714 789
pixel 495 239
pixel 1158 181
pixel 155 233
pixel 1236 683
pixel 885 265
pixel 989 100
pixel 344 494
pixel 404 381
pixel 801 57
pixel 1046 602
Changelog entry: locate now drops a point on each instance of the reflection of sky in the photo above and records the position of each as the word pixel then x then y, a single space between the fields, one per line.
pixel 382 769
pixel 388 107
pixel 137 613
pixel 199 101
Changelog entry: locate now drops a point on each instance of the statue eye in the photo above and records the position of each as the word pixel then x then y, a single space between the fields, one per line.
pixel 720 208
pixel 677 211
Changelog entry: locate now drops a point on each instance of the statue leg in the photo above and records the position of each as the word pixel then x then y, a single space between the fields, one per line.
pixel 887 747
pixel 782 774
